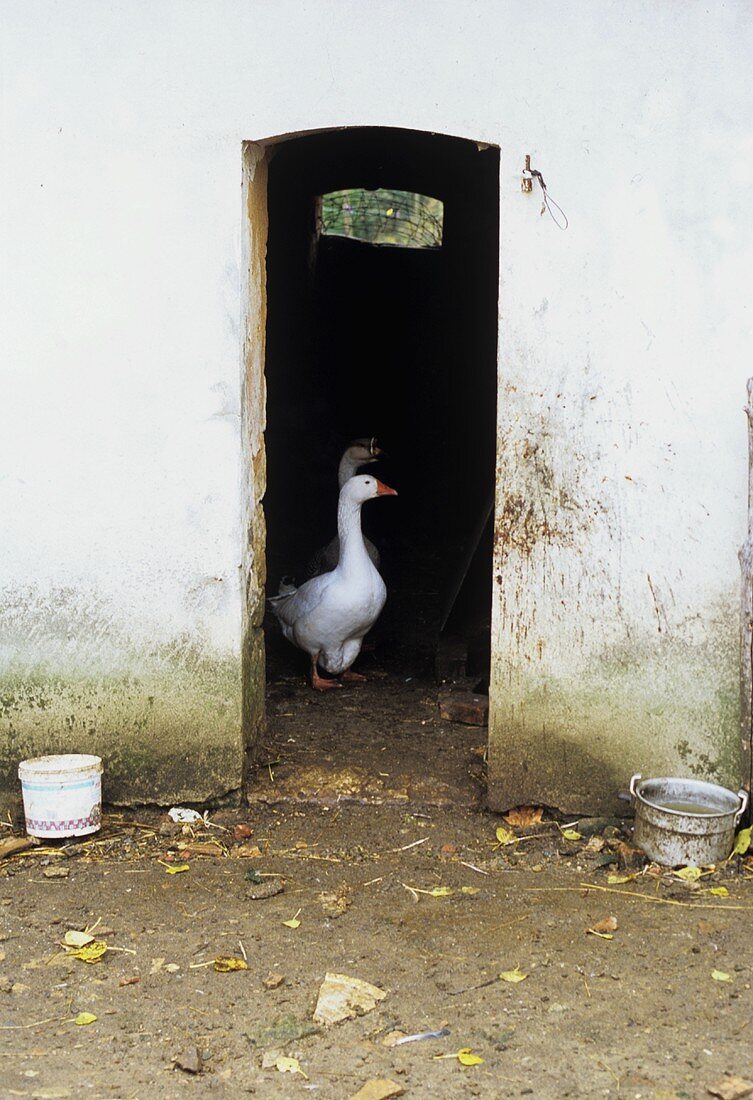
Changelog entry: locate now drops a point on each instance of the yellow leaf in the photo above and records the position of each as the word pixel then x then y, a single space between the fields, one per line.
pixel 470 890
pixel 289 1065
pixel 85 1018
pixel 223 964
pixel 719 891
pixel 601 935
pixel 688 874
pixel 90 952
pixel 293 922
pixel 505 836
pixel 466 1057
pixel 619 880
pixel 390 212
pixel 571 834
pixel 440 892
pixel 174 868
pixel 742 842
pixel 720 976
pixel 77 939
pixel 515 975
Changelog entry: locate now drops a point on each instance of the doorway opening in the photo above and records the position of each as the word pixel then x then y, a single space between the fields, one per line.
pixel 370 334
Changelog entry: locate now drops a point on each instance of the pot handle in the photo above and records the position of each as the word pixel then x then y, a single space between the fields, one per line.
pixel 743 796
pixel 635 779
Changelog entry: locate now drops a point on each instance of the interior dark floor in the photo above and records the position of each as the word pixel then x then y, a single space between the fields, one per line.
pixel 396 343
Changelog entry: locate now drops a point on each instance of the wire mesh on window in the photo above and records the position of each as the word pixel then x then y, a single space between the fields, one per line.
pixel 385 216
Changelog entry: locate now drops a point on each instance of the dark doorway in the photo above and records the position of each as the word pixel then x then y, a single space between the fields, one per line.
pixel 397 343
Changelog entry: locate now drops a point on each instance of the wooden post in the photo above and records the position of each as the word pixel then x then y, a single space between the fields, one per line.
pixel 746 615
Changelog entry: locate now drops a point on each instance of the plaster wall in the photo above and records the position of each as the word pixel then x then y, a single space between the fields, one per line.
pixel 624 349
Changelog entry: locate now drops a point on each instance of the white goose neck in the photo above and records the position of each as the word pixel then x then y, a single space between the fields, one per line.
pixel 352 548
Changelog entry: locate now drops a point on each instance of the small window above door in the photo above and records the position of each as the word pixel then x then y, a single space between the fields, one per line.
pixel 398 219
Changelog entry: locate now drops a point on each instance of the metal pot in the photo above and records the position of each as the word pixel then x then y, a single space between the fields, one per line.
pixel 679 836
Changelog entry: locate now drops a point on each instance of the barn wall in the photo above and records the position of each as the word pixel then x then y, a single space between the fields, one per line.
pixel 623 356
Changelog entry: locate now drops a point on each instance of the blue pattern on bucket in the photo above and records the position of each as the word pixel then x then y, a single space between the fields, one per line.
pixel 58 785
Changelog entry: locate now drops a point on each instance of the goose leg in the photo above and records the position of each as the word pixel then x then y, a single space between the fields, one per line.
pixel 353 677
pixel 318 682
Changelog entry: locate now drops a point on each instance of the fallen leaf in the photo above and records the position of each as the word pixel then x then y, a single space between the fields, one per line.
pixel 343 998
pixel 335 904
pixel 515 975
pixel 688 874
pixel 595 844
pixel 246 851
pixel 505 836
pixel 379 1088
pixel 242 831
pixel 129 981
pixel 172 968
pixel 601 935
pixel 438 892
pixel 731 1088
pixel 524 816
pixel 720 976
pixel 619 880
pixel 571 834
pixel 157 965
pixel 85 1018
pixel 273 980
pixel 174 868
pixel 466 1057
pixel 719 891
pixel 293 922
pixel 742 842
pixel 289 1065
pixel 608 924
pixel 56 872
pixel 73 938
pixel 223 964
pixel 470 890
pixel 90 952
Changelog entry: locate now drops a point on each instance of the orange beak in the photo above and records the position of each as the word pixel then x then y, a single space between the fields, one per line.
pixel 384 490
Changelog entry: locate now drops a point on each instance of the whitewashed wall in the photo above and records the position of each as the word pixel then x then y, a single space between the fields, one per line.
pixel 624 350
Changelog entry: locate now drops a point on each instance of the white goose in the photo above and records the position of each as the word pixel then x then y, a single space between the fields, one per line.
pixel 329 615
pixel 361 452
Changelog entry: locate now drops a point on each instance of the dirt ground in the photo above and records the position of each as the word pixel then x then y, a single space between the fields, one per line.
pixel 364 850
pixel 637 1015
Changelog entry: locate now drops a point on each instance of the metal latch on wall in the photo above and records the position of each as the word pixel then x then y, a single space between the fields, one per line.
pixel 526 186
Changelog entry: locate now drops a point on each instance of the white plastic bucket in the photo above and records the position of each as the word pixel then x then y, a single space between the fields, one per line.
pixel 62 795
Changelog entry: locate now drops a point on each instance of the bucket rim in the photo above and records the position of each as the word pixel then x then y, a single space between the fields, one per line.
pixel 55 766
pixel 639 785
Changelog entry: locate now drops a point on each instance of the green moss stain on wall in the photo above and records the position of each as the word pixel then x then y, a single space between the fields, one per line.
pixel 165 717
pixel 668 705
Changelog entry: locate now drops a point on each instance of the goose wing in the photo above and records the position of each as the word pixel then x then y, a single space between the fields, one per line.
pixel 293 605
